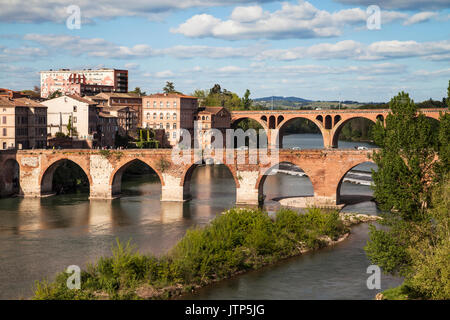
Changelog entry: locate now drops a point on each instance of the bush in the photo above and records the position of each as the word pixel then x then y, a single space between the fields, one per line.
pixel 237 240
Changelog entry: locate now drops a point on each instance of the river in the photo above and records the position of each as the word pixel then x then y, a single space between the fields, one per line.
pixel 40 237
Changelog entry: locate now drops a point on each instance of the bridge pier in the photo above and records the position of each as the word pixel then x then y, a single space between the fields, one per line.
pixel 174 189
pixel 246 192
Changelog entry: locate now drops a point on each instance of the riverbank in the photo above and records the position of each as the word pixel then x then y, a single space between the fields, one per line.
pixel 235 242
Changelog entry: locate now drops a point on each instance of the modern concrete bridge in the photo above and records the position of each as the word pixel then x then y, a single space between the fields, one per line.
pixel 330 122
pixel 104 169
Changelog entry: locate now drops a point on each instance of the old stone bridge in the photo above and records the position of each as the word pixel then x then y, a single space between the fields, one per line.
pixel 330 122
pixel 31 171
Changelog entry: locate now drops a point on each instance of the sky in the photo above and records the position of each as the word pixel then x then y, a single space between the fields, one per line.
pixel 361 50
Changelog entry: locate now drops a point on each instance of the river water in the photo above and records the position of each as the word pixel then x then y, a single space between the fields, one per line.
pixel 40 237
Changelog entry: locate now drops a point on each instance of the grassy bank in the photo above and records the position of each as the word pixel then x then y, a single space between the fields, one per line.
pixel 234 242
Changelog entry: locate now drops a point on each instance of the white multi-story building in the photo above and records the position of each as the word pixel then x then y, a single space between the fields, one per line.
pixel 81 113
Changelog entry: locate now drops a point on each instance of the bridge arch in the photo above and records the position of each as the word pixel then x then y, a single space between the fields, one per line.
pixel 116 176
pixel 188 172
pixel 343 174
pixel 9 177
pixel 282 126
pixel 261 120
pixel 263 177
pixel 335 132
pixel 46 178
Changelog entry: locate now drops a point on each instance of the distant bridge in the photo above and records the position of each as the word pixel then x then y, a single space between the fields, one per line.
pixel 330 122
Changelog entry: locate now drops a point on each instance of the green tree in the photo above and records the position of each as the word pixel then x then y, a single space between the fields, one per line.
pixel 55 94
pixel 403 184
pixel 138 91
pixel 246 102
pixel 169 88
pixel 403 181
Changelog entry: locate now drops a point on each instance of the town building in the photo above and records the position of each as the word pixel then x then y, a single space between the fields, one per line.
pixel 127 106
pixel 76 112
pixel 211 118
pixel 169 111
pixel 83 82
pixel 23 123
pixel 107 129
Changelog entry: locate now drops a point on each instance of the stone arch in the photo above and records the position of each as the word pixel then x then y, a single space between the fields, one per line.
pixel 337 118
pixel 10 178
pixel 236 121
pixel 279 120
pixel 187 175
pixel 328 122
pixel 262 177
pixel 272 122
pixel 116 176
pixel 286 121
pixel 46 178
pixel 344 172
pixel 381 118
pixel 337 129
pixel 320 119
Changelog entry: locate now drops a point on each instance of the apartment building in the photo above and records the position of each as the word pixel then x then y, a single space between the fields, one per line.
pixel 83 82
pixel 23 123
pixel 169 111
pixel 212 118
pixel 130 119
pixel 81 113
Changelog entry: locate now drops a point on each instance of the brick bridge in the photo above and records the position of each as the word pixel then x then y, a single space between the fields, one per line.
pixel 330 122
pixel 104 169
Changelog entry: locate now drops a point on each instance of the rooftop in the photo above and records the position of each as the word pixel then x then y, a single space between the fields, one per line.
pixel 170 95
pixel 19 102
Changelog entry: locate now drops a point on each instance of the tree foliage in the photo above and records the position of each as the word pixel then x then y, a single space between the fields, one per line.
pixel 412 187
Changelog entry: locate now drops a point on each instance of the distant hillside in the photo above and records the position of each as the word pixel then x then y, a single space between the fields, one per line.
pixel 278 98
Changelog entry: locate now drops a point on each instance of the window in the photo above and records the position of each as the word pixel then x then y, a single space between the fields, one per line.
pixel 167 116
pixel 154 104
pixel 74 119
pixel 161 126
pixel 174 126
pixel 167 126
pixel 4 145
pixel 161 116
pixel 175 104
pixel 4 120
pixel 154 115
pixel 148 104
pixel 161 104
pixel 168 104
pixel 175 116
pixel 174 135
pixel 4 132
pixel 74 108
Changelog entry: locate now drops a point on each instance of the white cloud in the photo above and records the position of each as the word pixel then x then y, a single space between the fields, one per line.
pixel 401 4
pixel 21 54
pixel 350 49
pixel 435 73
pixel 55 10
pixel 247 14
pixel 301 20
pixel 420 17
pixel 164 74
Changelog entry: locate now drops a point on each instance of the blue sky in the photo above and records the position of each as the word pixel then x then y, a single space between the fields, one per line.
pixel 321 50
